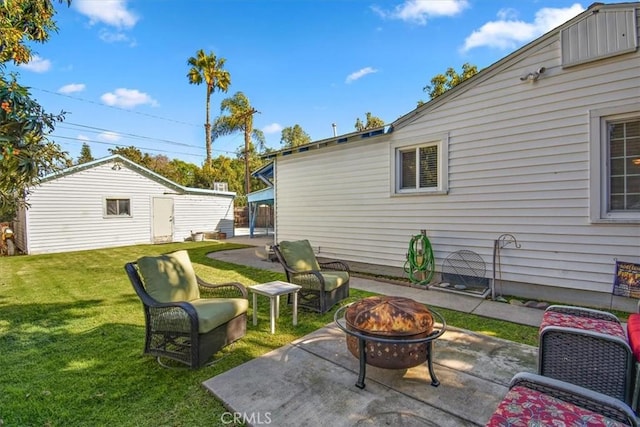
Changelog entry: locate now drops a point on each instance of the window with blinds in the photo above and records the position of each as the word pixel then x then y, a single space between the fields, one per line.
pixel 418 167
pixel 624 166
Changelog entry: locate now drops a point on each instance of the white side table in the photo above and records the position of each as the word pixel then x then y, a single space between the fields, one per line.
pixel 273 290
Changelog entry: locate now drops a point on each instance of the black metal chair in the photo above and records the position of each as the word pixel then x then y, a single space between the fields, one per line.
pixel 187 319
pixel 323 283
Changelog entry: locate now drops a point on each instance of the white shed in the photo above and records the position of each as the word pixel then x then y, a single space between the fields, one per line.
pixel 543 144
pixel 113 202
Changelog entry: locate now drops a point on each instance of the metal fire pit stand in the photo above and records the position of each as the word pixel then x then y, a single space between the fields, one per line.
pixel 338 317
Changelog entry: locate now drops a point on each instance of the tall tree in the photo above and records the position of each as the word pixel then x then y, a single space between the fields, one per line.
pixel 372 123
pixel 25 152
pixel 208 69
pixel 24 20
pixel 183 173
pixel 441 83
pixel 239 118
pixel 134 154
pixel 294 136
pixel 85 154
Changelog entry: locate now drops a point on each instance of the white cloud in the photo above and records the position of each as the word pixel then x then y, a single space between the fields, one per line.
pixel 417 11
pixel 109 136
pixel 72 88
pixel 127 98
pixel 37 64
pixel 83 137
pixel 115 37
pixel 507 14
pixel 109 12
pixel 508 33
pixel 272 128
pixel 359 74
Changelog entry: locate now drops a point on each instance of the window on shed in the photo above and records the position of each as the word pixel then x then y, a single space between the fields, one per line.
pixel 118 207
pixel 615 166
pixel 420 168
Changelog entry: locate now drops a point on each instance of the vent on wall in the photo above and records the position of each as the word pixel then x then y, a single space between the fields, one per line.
pixel 220 186
pixel 602 34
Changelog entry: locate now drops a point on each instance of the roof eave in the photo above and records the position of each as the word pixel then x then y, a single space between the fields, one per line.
pixel 375 133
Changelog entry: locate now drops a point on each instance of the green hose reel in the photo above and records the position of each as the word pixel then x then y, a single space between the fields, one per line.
pixel 420 265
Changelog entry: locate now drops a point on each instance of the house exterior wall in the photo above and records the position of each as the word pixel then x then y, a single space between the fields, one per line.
pixel 202 214
pixel 518 162
pixel 67 213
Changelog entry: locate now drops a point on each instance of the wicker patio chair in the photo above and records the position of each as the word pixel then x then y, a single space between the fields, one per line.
pixel 536 400
pixel 187 319
pixel 586 347
pixel 323 284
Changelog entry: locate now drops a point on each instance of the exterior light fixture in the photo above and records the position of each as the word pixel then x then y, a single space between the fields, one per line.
pixel 534 76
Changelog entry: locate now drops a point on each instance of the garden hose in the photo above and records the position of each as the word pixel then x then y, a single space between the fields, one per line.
pixel 420 262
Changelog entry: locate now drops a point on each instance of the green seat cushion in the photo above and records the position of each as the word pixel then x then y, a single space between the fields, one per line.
pixel 169 277
pixel 213 312
pixel 334 279
pixel 299 255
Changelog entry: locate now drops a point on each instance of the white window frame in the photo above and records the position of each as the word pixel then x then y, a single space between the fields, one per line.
pixel 105 212
pixel 599 163
pixel 442 143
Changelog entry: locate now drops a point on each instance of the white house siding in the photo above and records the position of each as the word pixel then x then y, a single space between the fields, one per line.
pixel 202 214
pixel 518 163
pixel 66 213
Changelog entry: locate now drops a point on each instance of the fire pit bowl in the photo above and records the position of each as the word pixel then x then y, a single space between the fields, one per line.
pixel 396 318
pixel 390 332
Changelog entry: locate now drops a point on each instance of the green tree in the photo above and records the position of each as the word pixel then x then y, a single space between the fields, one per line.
pixel 372 123
pixel 208 69
pixel 180 172
pixel 134 154
pixel 85 154
pixel 294 136
pixel 183 173
pixel 24 20
pixel 450 79
pixel 239 118
pixel 25 152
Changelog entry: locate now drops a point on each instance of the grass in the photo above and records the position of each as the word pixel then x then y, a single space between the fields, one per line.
pixel 72 331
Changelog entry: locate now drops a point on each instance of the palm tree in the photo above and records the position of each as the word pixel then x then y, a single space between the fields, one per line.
pixel 209 69
pixel 240 119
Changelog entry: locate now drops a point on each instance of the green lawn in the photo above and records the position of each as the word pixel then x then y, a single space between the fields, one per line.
pixel 72 331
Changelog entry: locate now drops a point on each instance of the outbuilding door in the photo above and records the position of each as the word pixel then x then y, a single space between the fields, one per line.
pixel 162 220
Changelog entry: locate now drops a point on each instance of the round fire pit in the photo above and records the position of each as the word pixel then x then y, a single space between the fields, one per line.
pixel 390 332
pixel 394 318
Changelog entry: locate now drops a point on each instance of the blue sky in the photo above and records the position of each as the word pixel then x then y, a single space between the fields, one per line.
pixel 119 67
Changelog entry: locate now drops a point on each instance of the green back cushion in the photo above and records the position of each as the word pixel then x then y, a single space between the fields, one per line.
pixel 170 277
pixel 299 255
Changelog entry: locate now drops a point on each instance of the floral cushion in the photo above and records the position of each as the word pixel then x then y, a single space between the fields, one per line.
pixel 554 318
pixel 525 407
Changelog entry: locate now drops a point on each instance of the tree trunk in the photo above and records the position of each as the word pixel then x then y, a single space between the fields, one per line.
pixel 207 129
pixel 247 141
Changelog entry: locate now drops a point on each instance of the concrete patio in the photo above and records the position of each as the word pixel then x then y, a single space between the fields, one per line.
pixel 311 381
